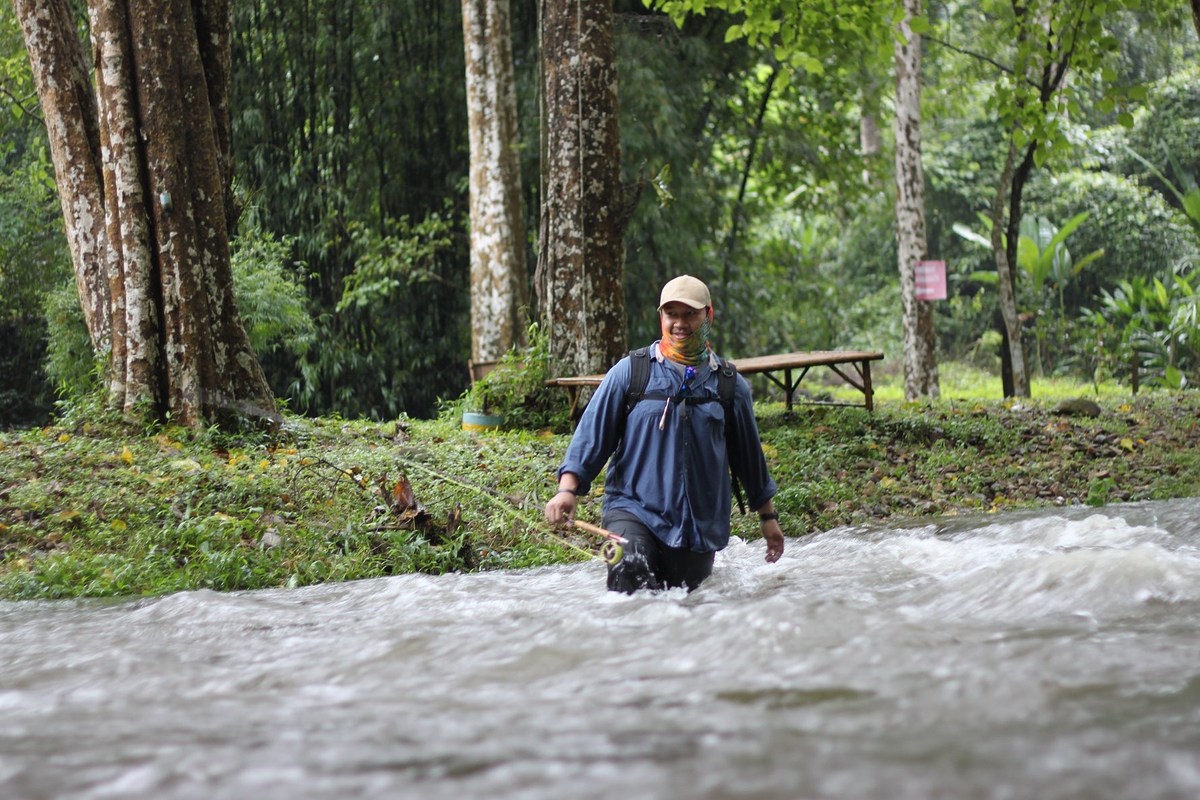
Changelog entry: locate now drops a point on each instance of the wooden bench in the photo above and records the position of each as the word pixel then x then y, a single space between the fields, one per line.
pixel 852 366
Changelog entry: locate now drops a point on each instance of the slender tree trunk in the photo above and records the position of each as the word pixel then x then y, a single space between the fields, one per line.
pixel 60 75
pixel 731 330
pixel 499 284
pixel 1196 15
pixel 1008 302
pixel 1046 69
pixel 870 138
pixel 1015 374
pixel 920 336
pixel 581 249
pixel 162 70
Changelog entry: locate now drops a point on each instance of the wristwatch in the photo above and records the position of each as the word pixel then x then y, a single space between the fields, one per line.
pixel 768 517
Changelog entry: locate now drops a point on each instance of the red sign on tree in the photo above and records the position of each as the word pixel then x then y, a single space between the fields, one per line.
pixel 931 280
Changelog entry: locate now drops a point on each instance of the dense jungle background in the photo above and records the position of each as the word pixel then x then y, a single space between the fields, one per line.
pixel 351 162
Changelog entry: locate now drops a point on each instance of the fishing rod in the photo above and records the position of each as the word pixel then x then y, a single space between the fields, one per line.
pixel 611 551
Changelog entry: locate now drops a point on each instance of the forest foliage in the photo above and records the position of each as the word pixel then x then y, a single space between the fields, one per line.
pixel 351 166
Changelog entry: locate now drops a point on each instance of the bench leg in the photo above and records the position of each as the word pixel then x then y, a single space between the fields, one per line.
pixel 868 392
pixel 788 387
pixel 863 384
pixel 573 397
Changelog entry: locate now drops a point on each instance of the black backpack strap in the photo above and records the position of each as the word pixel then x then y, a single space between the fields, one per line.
pixel 639 377
pixel 726 386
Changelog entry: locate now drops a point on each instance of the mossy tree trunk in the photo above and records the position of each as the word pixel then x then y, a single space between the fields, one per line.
pixel 920 337
pixel 581 247
pixel 499 283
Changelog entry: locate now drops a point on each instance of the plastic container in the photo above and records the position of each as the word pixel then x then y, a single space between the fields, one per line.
pixel 474 421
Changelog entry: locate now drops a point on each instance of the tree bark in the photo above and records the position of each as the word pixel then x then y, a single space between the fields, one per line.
pixel 920 336
pixel 178 347
pixel 499 284
pixel 581 250
pixel 60 76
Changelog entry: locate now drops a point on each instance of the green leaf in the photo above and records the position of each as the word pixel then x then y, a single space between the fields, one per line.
pixel 1027 259
pixel 1191 205
pixel 919 25
pixel 1083 262
pixel 1160 294
pixel 662 186
pixel 971 236
pixel 810 65
pixel 1067 229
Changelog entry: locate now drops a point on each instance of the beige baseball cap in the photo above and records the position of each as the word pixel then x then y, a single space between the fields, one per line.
pixel 687 290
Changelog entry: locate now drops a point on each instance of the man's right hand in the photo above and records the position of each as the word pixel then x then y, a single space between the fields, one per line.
pixel 561 507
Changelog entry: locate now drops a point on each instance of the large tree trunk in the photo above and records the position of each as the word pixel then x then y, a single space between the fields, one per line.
pixel 1007 283
pixel 499 284
pixel 920 337
pixel 178 347
pixel 581 254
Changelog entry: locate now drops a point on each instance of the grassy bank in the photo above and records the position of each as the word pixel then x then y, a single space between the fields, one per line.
pixel 91 507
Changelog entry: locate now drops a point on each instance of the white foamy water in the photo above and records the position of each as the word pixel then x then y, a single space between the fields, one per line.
pixel 1051 655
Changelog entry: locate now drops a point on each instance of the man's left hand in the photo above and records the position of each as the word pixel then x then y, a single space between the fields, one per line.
pixel 774 537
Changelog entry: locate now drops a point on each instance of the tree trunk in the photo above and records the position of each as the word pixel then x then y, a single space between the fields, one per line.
pixel 499 284
pixel 581 250
pixel 870 137
pixel 1008 302
pixel 178 347
pixel 920 336
pixel 60 75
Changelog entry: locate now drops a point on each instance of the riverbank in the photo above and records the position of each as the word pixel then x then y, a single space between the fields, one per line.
pixel 92 508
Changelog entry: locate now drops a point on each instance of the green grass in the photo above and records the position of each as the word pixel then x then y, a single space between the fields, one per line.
pixel 965 382
pixel 92 507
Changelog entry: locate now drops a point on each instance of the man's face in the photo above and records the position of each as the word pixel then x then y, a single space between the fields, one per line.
pixel 681 320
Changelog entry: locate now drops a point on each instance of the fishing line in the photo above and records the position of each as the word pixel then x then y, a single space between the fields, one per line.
pixel 610 552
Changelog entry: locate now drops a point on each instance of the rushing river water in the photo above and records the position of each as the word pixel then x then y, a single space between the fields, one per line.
pixel 1054 655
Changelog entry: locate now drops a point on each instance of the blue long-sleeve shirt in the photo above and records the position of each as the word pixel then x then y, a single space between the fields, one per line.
pixel 675 480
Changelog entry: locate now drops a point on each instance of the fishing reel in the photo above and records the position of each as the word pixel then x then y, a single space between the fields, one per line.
pixel 612 552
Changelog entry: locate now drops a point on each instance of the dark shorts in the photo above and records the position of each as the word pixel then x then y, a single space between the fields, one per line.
pixel 650 564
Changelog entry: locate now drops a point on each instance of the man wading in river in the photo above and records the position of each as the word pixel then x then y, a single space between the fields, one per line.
pixel 673 443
